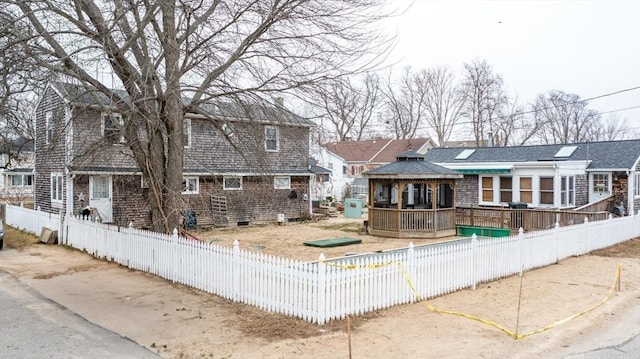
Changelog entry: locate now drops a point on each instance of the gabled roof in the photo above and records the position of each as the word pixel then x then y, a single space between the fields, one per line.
pixel 601 155
pixel 411 164
pixel 376 150
pixel 79 94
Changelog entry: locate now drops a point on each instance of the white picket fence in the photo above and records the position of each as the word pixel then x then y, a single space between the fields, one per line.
pixel 331 289
pixel 29 220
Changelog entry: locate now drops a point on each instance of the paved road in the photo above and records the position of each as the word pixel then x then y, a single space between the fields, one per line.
pixel 32 326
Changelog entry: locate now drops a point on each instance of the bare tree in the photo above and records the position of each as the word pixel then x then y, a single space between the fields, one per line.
pixel 516 126
pixel 404 105
pixel 484 98
pixel 566 118
pixel 443 101
pixel 614 128
pixel 350 108
pixel 163 52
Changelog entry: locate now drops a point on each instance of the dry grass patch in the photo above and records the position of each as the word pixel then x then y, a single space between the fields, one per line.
pixel 17 239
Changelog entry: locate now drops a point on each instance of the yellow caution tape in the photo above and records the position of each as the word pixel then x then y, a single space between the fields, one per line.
pixel 511 333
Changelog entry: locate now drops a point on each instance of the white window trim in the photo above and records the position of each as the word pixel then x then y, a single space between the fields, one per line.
pixel 120 123
pixel 60 179
pixel 143 182
pixel 636 188
pixel 568 191
pixel 277 139
pixel 188 123
pixel 197 189
pixel 224 183
pixel 288 178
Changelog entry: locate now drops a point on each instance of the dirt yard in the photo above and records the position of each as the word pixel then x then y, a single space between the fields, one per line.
pixel 179 322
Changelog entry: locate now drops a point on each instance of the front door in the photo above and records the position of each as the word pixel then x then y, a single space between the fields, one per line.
pixel 599 186
pixel 100 193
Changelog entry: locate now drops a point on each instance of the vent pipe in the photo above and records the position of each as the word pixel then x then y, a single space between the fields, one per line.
pixel 489 139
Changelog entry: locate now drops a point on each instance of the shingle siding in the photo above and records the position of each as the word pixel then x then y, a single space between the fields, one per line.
pixel 467 191
pixel 50 155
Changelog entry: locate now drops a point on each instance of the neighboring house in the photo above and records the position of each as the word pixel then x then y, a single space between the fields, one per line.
pixel 360 156
pixel 337 177
pixel 237 171
pixel 16 173
pixel 546 176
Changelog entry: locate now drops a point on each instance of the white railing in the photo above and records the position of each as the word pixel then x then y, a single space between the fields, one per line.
pixel 32 221
pixel 330 289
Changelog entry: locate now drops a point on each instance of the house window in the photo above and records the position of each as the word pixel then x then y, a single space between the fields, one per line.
pixel 330 165
pixel 600 183
pixel 506 187
pixel 56 187
pixel 232 183
pixel 48 125
pixel 526 190
pixel 487 189
pixel 282 182
pixel 567 191
pixel 186 133
pixel 143 182
pixel 21 180
pixel 112 128
pixel 344 170
pixel 546 190
pixel 190 185
pixel 636 188
pixel 271 138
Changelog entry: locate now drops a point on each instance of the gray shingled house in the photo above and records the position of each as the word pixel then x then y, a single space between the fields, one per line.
pixel 563 176
pixel 248 165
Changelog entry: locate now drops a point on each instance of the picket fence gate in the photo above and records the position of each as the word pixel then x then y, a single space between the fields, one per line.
pixel 329 289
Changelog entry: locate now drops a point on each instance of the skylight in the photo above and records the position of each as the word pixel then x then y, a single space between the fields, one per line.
pixel 464 154
pixel 565 151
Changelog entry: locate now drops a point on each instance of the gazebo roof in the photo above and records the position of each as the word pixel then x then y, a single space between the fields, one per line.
pixel 411 165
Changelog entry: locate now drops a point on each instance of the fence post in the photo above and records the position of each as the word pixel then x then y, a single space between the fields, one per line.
pixel 474 260
pixel 235 271
pixel 61 231
pixel 175 256
pixel 586 236
pixel 522 255
pixel 126 256
pixel 411 270
pixel 321 307
pixel 556 240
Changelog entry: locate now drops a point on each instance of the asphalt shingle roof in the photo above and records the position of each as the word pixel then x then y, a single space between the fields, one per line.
pixel 79 94
pixel 603 155
pixel 412 165
pixel 375 151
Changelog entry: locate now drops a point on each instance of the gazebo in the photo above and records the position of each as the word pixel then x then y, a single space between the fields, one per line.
pixel 412 198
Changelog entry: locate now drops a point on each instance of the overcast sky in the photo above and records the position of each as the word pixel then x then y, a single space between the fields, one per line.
pixel 589 48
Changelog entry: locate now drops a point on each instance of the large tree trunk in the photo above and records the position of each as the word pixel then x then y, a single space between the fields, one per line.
pixel 173 112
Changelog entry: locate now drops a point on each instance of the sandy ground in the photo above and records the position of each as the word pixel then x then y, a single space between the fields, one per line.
pixel 179 322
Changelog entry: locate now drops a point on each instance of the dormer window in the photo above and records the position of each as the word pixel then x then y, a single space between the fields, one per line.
pixel 112 125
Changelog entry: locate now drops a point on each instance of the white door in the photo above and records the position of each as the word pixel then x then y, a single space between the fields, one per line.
pixel 599 186
pixel 100 193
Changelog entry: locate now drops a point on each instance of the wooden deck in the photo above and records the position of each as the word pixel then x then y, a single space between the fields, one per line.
pixel 528 219
pixel 434 223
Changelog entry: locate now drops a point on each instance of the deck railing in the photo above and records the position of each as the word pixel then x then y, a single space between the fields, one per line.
pixel 527 219
pixel 412 220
